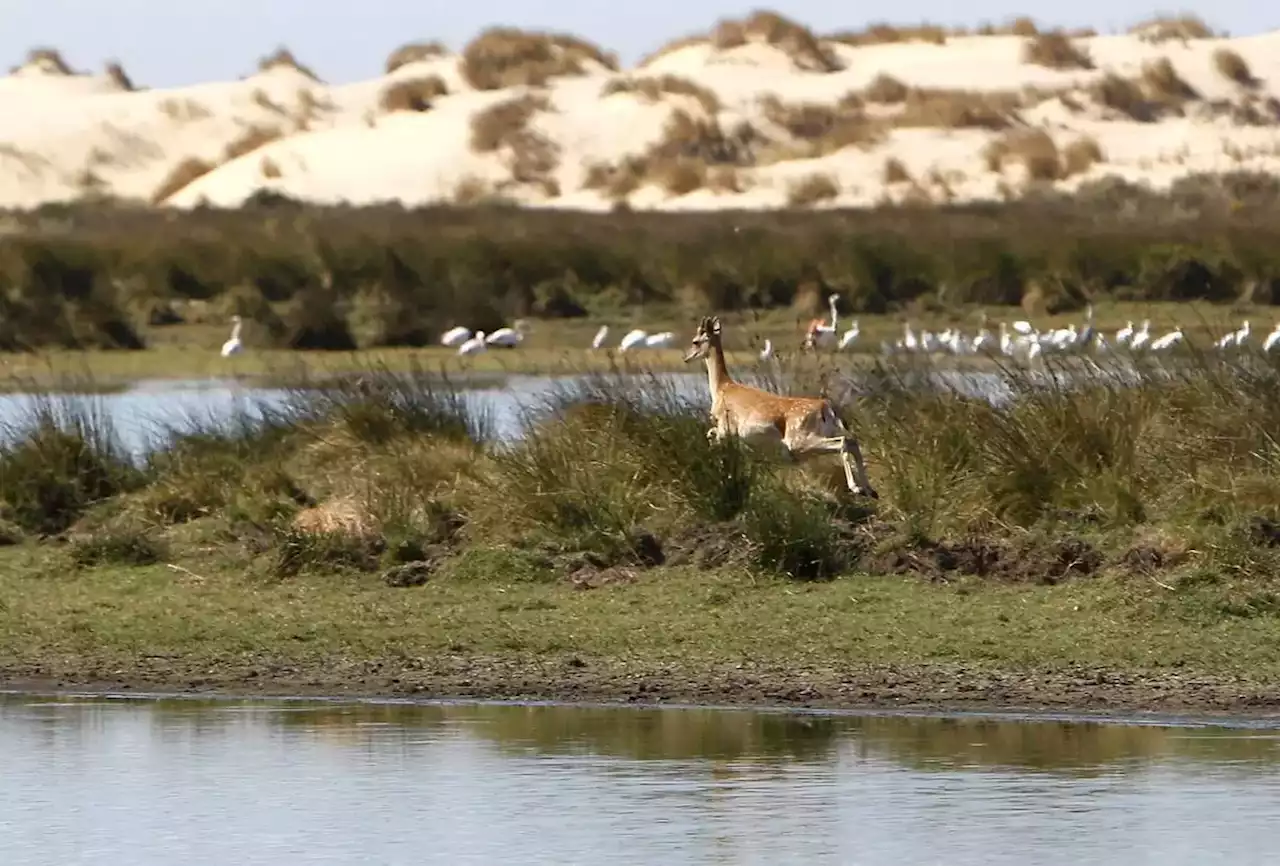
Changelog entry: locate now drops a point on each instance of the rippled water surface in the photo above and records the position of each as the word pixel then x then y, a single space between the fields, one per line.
pixel 133 781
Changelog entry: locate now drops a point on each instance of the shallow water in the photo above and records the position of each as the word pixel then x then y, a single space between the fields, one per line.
pixel 139 413
pixel 96 780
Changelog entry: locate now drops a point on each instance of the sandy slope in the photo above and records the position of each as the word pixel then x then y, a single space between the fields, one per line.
pixel 63 137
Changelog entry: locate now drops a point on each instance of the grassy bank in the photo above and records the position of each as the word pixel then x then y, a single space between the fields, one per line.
pixel 1099 544
pixel 338 279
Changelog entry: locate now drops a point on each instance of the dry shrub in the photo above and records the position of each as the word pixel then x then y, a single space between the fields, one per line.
pixel 958 109
pixel 704 139
pixel 812 189
pixel 121 78
pixel 502 121
pixel 1162 83
pixel 180 177
pixel 506 124
pixel 1165 28
pixel 1233 67
pixel 652 88
pixel 414 52
pixel 883 34
pixel 807 52
pixel 886 90
pixel 283 57
pixel 1034 149
pixel 894 171
pixel 1123 95
pixel 412 94
pixel 49 59
pixel 824 128
pixel 1055 51
pixel 507 56
pixel 1081 155
pixel 250 140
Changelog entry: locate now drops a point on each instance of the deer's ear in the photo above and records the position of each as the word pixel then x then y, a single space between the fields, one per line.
pixel 715 324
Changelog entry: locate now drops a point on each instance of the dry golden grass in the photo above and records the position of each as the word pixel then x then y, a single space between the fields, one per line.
pixel 806 50
pixel 283 57
pixel 270 168
pixel 1233 67
pixel 883 34
pixel 1055 51
pixel 121 78
pixel 250 140
pixel 1023 26
pixel 886 90
pixel 1081 155
pixel 704 139
pixel 1162 84
pixel 653 88
pixel 811 189
pixel 507 56
pixel 266 103
pixel 725 179
pixel 1034 149
pixel 958 109
pixel 1165 28
pixel 412 94
pixel 894 171
pixel 180 177
pixel 679 176
pixel 414 52
pixel 824 128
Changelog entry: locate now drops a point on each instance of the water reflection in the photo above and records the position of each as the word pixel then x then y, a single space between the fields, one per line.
pixel 192 781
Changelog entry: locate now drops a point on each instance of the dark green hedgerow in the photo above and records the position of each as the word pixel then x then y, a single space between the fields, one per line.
pixel 341 277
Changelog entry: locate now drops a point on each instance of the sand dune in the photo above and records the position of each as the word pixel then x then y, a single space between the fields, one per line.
pixel 758 113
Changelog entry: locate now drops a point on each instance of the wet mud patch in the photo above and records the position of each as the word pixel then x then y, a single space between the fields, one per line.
pixel 1030 561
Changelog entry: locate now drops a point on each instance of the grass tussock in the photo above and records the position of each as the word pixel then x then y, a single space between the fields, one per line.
pixel 1164 85
pixel 251 139
pixel 824 128
pixel 282 58
pixel 180 177
pixel 886 90
pixel 505 126
pixel 49 60
pixel 414 52
pixel 1081 155
pixel 1166 28
pixel 957 109
pixel 1032 149
pixel 412 94
pixel 655 87
pixel 812 189
pixel 894 171
pixel 115 71
pixel 807 51
pixel 509 57
pixel 886 34
pixel 1232 66
pixel 1055 51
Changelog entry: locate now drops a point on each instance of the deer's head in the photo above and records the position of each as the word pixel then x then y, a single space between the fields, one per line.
pixel 704 339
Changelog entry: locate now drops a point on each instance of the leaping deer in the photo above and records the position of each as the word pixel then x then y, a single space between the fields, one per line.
pixel 803 426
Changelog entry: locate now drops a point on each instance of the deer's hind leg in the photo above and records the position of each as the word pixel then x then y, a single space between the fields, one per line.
pixel 855 470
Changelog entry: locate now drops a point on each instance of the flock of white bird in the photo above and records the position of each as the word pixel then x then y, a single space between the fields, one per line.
pixel 1019 340
pixel 470 342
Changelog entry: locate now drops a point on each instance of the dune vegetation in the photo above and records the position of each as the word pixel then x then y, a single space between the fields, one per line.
pixel 1122 520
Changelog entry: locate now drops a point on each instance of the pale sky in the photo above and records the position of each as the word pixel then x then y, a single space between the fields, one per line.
pixel 172 42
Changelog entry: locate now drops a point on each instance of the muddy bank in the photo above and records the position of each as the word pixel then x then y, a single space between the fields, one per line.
pixel 571 678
